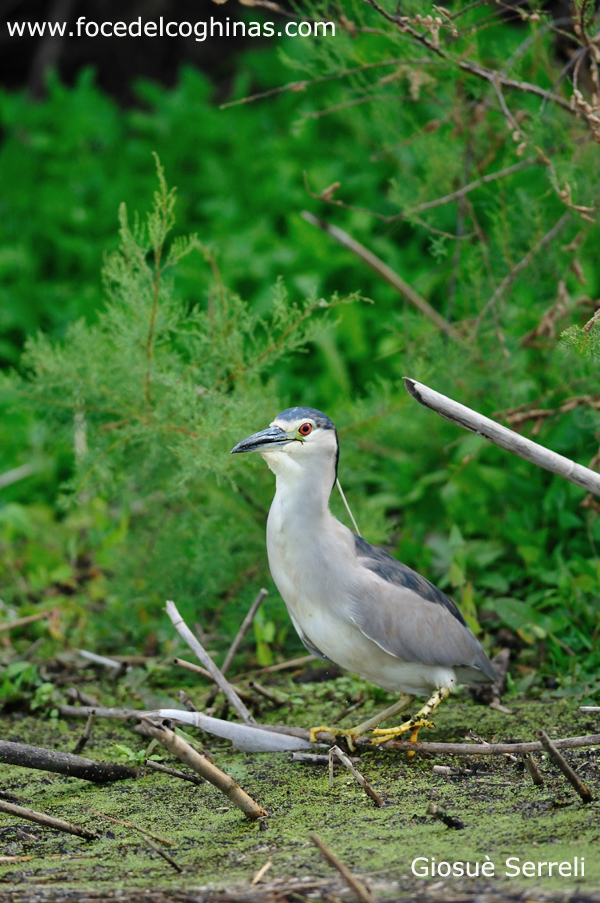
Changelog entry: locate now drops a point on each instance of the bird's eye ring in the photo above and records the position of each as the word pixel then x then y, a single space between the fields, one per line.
pixel 305 429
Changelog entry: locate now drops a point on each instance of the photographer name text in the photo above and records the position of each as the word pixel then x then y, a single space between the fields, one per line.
pixel 423 867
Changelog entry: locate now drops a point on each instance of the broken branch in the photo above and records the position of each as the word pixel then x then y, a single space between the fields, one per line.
pixel 502 436
pixel 561 763
pixel 383 270
pixel 336 751
pixel 364 895
pixel 48 821
pixel 205 769
pixel 62 763
pixel 494 749
pixel 186 634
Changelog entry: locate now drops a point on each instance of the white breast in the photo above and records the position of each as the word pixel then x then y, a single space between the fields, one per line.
pixel 313 576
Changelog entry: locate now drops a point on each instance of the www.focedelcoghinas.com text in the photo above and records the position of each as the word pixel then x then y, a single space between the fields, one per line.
pixel 513 867
pixel 161 28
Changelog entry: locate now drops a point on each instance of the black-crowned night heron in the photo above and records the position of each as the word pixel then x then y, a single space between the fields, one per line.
pixel 352 603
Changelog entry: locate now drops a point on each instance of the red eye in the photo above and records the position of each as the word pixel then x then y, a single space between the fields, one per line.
pixel 305 429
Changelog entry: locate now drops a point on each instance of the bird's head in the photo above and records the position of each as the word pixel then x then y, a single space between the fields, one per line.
pixel 298 439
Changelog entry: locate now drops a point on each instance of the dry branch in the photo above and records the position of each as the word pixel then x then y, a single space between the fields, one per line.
pixel 83 711
pixel 128 824
pixel 62 763
pixel 344 759
pixel 48 821
pixel 533 770
pixel 242 631
pixel 561 763
pixel 195 669
pixel 364 895
pixel 158 766
pixel 493 749
pixel 205 769
pixel 186 634
pixel 283 666
pixel 505 438
pixel 383 270
pixel 87 733
pixel 268 694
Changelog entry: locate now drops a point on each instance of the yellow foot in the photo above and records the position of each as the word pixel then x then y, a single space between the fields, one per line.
pixel 414 726
pixel 350 735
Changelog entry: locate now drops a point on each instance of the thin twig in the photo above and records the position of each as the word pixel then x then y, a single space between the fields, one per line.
pixel 494 749
pixel 223 782
pixel 268 694
pixel 128 824
pixel 466 189
pixel 242 631
pixel 477 739
pixel 521 265
pixel 283 666
pixel 87 733
pixel 533 770
pixel 195 669
pixel 164 855
pixel 186 701
pixel 383 270
pixel 364 895
pixel 174 772
pixel 261 873
pixel 561 763
pixel 505 438
pixel 29 619
pixel 186 634
pixel 99 659
pixel 299 86
pixel 48 821
pixel 62 763
pixel 336 751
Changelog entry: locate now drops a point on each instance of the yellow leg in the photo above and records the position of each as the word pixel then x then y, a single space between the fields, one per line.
pixel 414 724
pixel 352 733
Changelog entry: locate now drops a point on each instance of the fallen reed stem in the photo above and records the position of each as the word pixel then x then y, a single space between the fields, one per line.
pixel 505 438
pixel 87 733
pixel 561 763
pixel 494 749
pixel 174 772
pixel 164 855
pixel 186 634
pixel 364 895
pixel 128 824
pixel 48 821
pixel 223 782
pixel 336 751
pixel 242 631
pixel 531 766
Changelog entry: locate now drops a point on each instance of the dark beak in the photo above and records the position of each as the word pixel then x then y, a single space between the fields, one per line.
pixel 265 439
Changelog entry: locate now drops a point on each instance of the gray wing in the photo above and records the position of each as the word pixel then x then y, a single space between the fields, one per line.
pixel 411 618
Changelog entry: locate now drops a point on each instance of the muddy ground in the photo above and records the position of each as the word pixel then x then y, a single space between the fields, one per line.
pixel 219 851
